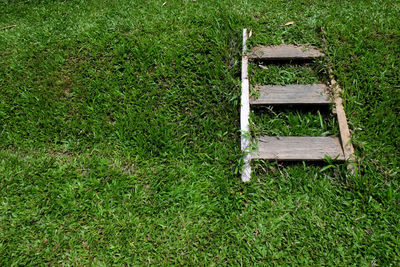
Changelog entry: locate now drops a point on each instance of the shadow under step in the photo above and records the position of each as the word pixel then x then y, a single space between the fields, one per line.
pixel 291 94
pixel 296 148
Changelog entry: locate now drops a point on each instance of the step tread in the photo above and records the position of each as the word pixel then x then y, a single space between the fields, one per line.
pixel 295 148
pixel 285 52
pixel 291 94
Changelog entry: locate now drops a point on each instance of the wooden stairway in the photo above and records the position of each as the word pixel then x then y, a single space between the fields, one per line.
pixel 302 148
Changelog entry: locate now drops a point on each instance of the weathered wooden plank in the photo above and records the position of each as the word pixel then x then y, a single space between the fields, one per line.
pixel 291 94
pixel 342 121
pixel 245 114
pixel 298 148
pixel 285 52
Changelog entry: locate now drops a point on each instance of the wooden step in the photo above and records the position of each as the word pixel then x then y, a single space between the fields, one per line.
pixel 298 148
pixel 291 94
pixel 285 52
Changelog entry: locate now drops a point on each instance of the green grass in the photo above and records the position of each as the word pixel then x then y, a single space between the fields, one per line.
pixel 119 135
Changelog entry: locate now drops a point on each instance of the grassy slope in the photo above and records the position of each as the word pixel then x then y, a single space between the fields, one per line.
pixel 119 135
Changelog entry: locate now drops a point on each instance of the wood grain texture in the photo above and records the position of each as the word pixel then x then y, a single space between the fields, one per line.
pixel 291 94
pixel 298 148
pixel 345 135
pixel 285 52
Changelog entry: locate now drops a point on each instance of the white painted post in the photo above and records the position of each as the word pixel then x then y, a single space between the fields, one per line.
pixel 245 113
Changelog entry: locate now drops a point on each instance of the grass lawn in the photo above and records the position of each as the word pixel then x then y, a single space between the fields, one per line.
pixel 119 135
